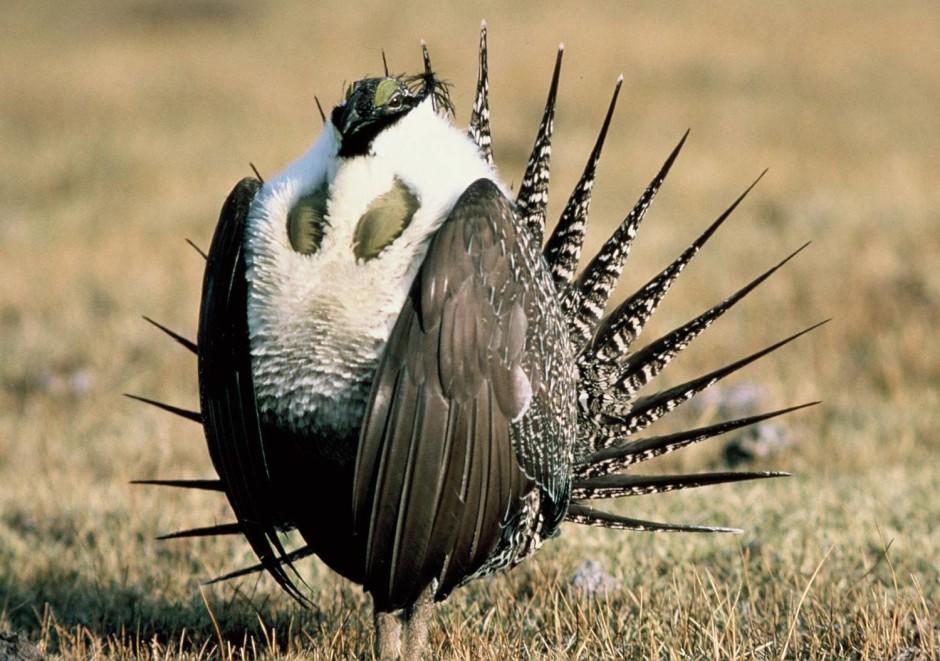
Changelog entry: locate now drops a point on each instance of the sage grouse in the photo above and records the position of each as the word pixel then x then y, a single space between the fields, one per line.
pixel 391 363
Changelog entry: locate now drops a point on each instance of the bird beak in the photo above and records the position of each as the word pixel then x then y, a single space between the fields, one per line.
pixel 347 119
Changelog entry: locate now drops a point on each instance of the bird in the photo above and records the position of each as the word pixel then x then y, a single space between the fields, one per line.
pixel 395 362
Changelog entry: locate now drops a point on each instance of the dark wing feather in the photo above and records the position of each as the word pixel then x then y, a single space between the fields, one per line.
pixel 226 390
pixel 437 477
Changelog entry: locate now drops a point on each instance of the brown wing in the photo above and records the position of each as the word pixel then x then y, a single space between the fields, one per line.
pixel 437 477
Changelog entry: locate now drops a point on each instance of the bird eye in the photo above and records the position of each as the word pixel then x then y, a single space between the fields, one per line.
pixel 395 102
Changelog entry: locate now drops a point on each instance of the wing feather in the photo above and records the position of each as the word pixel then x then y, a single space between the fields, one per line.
pixel 437 474
pixel 226 391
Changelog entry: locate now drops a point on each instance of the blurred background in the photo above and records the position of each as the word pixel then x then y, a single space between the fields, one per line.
pixel 123 126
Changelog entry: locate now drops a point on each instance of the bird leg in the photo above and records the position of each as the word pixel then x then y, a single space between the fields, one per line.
pixel 387 636
pixel 416 619
pixel 403 634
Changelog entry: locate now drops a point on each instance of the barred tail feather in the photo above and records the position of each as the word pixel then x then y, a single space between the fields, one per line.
pixel 479 130
pixel 619 457
pixel 532 199
pixel 638 369
pixel 584 303
pixel 563 250
pixel 619 486
pixel 580 513
pixel 426 59
pixel 622 327
pixel 646 410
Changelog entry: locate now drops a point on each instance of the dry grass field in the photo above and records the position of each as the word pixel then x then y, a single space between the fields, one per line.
pixel 123 126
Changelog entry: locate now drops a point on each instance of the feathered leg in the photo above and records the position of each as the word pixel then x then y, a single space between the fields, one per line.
pixel 416 619
pixel 387 636
pixel 403 634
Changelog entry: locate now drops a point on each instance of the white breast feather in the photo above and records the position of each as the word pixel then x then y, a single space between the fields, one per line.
pixel 318 323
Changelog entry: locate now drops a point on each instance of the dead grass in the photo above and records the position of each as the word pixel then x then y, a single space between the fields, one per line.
pixel 125 124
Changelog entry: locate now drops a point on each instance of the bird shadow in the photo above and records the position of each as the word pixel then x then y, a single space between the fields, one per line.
pixel 60 609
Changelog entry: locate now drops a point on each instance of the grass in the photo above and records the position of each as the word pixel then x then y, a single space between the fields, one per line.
pixel 124 125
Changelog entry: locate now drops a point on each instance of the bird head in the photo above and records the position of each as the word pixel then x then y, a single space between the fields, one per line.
pixel 373 104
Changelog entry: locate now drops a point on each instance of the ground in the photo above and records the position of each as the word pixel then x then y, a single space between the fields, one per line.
pixel 125 124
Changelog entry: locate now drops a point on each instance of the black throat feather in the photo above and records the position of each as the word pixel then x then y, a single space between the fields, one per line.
pixel 359 141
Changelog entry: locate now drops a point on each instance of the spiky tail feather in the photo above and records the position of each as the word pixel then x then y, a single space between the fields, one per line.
pixel 176 337
pixel 620 456
pixel 479 129
pixel 532 200
pixel 584 302
pixel 610 376
pixel 202 485
pixel 290 557
pixel 195 416
pixel 563 249
pixel 634 371
pixel 581 513
pixel 623 326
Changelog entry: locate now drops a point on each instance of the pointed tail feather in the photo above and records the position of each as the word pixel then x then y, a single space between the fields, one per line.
pixel 208 531
pixel 189 344
pixel 204 485
pixel 580 513
pixel 618 457
pixel 619 486
pixel 479 130
pixel 584 303
pixel 293 556
pixel 197 249
pixel 646 410
pixel 563 250
pixel 426 57
pixel 175 410
pixel 434 86
pixel 274 565
pixel 621 328
pixel 532 199
pixel 638 369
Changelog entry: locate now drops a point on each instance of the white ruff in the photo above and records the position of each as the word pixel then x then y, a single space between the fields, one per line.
pixel 318 323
